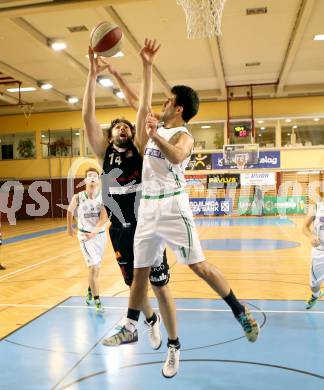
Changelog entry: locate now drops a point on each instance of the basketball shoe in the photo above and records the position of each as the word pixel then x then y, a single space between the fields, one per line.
pixel 171 365
pixel 123 336
pixel 99 307
pixel 311 302
pixel 250 326
pixel 89 298
pixel 154 332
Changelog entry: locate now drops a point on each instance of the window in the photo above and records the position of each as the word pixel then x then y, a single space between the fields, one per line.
pixel 300 132
pixel 60 143
pixel 17 146
pixel 207 135
pixel 265 133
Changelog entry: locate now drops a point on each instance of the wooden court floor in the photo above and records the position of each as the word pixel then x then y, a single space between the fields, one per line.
pixel 44 270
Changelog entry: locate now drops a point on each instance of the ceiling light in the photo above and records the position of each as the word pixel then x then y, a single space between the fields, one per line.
pixel 260 135
pixel 288 133
pixel 260 122
pixel 119 54
pixel 58 45
pixel 319 37
pixel 295 127
pixel 316 119
pixel 119 94
pixel 205 126
pixel 104 124
pixel 43 136
pixel 263 128
pixel 23 89
pixel 105 81
pixel 76 133
pixel 44 85
pixel 288 120
pixel 72 99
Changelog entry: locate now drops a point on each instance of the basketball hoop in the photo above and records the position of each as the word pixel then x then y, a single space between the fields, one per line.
pixel 203 17
pixel 27 109
pixel 241 160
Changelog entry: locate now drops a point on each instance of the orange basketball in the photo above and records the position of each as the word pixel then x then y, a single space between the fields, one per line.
pixel 106 39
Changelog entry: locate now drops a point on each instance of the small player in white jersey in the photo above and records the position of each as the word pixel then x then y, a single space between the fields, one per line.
pixel 165 216
pixel 92 219
pixel 314 229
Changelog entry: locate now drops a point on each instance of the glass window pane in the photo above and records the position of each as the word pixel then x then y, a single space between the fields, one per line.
pixel 207 135
pixel 17 146
pixel 302 132
pixel 56 143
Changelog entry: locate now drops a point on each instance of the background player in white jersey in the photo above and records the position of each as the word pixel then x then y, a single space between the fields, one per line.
pixel 121 155
pixel 92 219
pixel 314 229
pixel 165 216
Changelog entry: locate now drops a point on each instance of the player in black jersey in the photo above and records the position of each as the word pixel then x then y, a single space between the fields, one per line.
pixel 121 154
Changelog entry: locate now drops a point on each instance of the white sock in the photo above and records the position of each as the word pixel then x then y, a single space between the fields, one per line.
pixel 131 325
pixel 316 294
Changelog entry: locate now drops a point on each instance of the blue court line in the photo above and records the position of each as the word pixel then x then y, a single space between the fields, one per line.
pixel 29 236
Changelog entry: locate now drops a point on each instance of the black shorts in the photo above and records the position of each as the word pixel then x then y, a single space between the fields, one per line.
pixel 122 239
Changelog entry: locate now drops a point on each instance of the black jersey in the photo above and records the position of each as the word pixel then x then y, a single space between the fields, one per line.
pixel 121 184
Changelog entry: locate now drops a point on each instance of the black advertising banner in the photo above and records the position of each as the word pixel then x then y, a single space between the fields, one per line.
pixel 200 161
pixel 227 180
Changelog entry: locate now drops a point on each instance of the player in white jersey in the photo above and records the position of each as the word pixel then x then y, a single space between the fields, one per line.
pixel 314 229
pixel 165 216
pixel 92 219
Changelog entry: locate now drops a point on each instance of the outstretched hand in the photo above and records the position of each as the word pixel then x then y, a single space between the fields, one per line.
pixel 98 65
pixel 151 124
pixel 149 51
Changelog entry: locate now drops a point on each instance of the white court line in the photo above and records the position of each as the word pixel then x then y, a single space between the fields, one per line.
pixel 260 256
pixel 24 269
pixel 187 309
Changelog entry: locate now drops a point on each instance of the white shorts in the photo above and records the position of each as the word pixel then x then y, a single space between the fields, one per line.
pixel 317 269
pixel 167 221
pixel 93 249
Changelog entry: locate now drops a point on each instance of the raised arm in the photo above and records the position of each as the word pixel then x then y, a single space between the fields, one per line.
pixel 147 54
pixel 177 149
pixel 131 96
pixel 92 128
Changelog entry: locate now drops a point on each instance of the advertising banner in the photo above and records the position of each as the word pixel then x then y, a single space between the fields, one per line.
pixel 211 206
pixel 223 180
pixel 272 205
pixel 258 179
pixel 200 161
pixel 267 159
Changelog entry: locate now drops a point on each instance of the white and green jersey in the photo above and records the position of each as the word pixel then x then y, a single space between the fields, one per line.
pixel 160 177
pixel 89 212
pixel 319 224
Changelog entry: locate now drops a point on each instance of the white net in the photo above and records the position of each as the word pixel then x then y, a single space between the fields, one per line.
pixel 203 17
pixel 27 110
pixel 241 160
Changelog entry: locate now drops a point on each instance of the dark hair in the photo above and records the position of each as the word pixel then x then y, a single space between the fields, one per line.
pixel 188 99
pixel 115 122
pixel 91 170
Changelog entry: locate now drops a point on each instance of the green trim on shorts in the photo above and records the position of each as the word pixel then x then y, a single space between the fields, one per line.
pixel 161 196
pixel 189 233
pixel 86 231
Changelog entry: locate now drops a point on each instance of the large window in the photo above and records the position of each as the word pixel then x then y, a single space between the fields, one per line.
pixel 300 132
pixel 61 143
pixel 17 146
pixel 207 135
pixel 265 133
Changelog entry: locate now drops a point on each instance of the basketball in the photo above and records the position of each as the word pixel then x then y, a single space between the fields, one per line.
pixel 106 39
